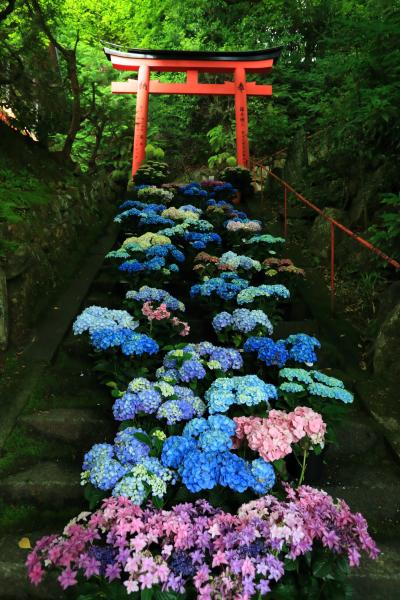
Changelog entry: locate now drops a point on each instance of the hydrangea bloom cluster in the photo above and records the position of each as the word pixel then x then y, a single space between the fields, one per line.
pixel 274 436
pixel 155 258
pixel 240 261
pixel 113 329
pixel 315 383
pixel 199 240
pixel 189 363
pixel 193 190
pixel 145 241
pixel 227 286
pixel 173 403
pixel 281 265
pixel 126 468
pixel 297 347
pixel 248 390
pixel 189 225
pixel 243 225
pixel 203 459
pixel 153 193
pixel 150 294
pixel 142 206
pixel 194 549
pixel 219 554
pixel 221 191
pixel 180 214
pixel 266 238
pixel 145 213
pixel 242 320
pixel 229 261
pixel 161 313
pixel 248 295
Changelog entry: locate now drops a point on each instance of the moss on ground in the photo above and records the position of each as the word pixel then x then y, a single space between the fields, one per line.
pixel 69 383
pixel 23 449
pixel 23 518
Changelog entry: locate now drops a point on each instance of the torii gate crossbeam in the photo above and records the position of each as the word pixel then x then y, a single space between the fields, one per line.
pixel 192 63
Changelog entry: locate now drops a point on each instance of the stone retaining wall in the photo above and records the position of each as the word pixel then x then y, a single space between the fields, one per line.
pixel 52 241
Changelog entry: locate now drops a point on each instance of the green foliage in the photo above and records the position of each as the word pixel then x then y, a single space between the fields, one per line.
pixel 152 172
pixel 386 233
pixel 154 152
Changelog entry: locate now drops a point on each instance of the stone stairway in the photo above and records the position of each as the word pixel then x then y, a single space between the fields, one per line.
pixel 73 411
pixel 40 491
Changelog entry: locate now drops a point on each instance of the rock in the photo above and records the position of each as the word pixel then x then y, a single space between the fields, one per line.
pixel 46 483
pixel 18 262
pixel 319 241
pixel 388 300
pixel 3 311
pixel 73 425
pixel 387 346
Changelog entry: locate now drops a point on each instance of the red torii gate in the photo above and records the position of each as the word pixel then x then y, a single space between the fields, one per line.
pixel 192 63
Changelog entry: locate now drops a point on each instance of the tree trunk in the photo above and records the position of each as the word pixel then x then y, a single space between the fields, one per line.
pixel 98 138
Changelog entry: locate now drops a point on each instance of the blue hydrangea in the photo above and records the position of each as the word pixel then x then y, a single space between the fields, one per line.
pixel 296 374
pixel 149 477
pixel 145 397
pixel 248 390
pixel 268 351
pixel 242 320
pixel 150 294
pixel 314 382
pixel 200 470
pixel 174 450
pixel 239 261
pixel 112 329
pixel 264 475
pixel 226 287
pixel 200 241
pixel 203 459
pixel 189 363
pixel 235 472
pixel 247 296
pixel 214 440
pixel 128 449
pixel 298 347
pixel 97 317
pixel 265 238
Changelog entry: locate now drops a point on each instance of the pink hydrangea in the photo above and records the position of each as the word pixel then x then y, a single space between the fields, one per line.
pixel 220 554
pixel 158 314
pixel 273 437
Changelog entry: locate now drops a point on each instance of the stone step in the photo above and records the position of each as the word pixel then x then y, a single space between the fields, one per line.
pixel 283 329
pixel 382 402
pixel 354 438
pixel 378 579
pixel 82 427
pixel 46 484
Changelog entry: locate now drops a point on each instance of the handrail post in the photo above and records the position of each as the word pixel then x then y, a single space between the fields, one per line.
pixel 285 212
pixel 332 266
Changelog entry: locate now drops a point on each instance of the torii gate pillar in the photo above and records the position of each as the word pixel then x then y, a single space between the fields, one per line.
pixel 192 63
pixel 242 126
pixel 142 113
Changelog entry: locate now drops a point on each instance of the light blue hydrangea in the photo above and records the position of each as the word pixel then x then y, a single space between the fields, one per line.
pixel 248 295
pixel 248 390
pixel 242 320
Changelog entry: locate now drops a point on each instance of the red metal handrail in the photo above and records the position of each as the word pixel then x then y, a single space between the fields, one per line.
pixel 333 223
